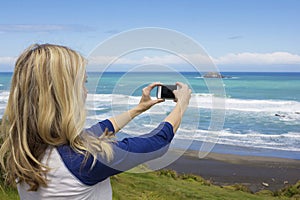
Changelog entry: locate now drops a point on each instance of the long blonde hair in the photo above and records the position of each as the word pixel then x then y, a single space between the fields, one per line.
pixel 45 108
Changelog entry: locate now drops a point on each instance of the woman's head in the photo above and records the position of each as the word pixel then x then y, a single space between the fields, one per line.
pixel 45 107
pixel 47 92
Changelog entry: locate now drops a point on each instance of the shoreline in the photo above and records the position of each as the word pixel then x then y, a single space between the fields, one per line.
pixel 255 172
pixel 239 150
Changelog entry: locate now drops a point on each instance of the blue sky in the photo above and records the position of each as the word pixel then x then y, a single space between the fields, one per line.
pixel 245 35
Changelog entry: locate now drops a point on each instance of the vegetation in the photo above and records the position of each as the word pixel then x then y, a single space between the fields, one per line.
pixel 167 184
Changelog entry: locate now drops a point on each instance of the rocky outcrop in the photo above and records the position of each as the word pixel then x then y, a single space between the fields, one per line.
pixel 213 75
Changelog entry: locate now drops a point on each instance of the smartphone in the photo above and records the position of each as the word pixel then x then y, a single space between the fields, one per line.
pixel 166 91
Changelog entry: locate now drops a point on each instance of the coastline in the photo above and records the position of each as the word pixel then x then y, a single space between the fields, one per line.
pixel 239 150
pixel 255 172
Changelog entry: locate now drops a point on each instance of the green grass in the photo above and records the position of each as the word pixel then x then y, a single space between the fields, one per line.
pixel 166 184
pixel 7 193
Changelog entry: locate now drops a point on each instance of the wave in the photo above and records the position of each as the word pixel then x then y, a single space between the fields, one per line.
pixel 101 106
pixel 288 141
pixel 285 110
pixel 245 105
pixel 262 105
pixel 229 77
pixel 4 95
pixel 209 101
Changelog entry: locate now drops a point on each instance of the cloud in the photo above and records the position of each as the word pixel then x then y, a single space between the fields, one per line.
pixel 235 37
pixel 7 60
pixel 229 59
pixel 8 28
pixel 234 60
pixel 167 59
pixel 258 59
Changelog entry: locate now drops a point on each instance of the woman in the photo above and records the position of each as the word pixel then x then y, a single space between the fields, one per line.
pixel 46 149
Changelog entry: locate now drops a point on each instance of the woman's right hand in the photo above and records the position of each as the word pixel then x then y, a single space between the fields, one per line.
pixel 182 95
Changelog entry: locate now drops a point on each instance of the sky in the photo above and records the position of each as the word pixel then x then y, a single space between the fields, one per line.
pixel 245 35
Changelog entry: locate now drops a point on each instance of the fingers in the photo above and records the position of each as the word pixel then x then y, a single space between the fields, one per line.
pixel 182 94
pixel 147 90
pixel 153 85
pixel 181 85
pixel 158 101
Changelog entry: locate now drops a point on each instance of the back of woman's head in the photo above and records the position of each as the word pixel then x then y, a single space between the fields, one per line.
pixel 47 89
pixel 45 107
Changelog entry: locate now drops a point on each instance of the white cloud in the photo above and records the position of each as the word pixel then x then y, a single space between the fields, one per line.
pixel 229 59
pixel 7 60
pixel 157 59
pixel 167 59
pixel 258 59
pixel 239 59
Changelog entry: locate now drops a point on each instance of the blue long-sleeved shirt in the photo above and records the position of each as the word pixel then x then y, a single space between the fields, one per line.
pixel 128 153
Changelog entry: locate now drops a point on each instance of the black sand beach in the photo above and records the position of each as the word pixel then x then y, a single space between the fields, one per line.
pixel 255 172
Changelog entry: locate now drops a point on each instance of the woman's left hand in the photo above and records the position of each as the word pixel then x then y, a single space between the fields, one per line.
pixel 146 102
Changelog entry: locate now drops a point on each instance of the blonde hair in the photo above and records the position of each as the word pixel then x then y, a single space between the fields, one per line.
pixel 45 108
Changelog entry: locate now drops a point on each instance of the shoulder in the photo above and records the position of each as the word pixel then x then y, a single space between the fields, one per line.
pixel 84 168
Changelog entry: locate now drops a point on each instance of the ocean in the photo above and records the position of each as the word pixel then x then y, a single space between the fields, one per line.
pixel 261 116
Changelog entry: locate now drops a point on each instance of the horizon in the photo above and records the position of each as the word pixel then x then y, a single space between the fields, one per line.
pixel 251 35
pixel 288 72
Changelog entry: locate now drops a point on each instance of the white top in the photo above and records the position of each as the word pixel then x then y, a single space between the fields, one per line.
pixel 63 185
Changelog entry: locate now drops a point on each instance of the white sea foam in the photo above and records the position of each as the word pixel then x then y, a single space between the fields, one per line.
pixel 95 108
pixel 4 95
pixel 103 106
pixel 245 105
pixel 262 105
pixel 288 141
pixel 288 109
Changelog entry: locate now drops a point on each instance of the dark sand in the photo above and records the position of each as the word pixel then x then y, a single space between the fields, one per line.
pixel 251 171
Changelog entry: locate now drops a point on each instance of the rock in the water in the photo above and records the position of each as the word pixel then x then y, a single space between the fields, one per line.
pixel 213 75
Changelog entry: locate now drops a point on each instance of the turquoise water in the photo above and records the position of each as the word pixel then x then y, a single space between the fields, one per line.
pixel 279 86
pixel 262 109
pixel 250 85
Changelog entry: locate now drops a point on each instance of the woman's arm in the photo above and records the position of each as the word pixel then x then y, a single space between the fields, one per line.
pixel 133 151
pixel 182 97
pixel 145 103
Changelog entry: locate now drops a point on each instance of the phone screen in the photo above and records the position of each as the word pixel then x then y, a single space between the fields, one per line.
pixel 166 91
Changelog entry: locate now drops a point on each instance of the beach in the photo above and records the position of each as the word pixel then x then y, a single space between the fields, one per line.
pixel 255 172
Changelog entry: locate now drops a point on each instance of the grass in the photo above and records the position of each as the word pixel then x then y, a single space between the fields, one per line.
pixel 167 184
pixel 7 193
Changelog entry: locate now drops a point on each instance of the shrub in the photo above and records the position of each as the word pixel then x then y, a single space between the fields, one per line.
pixel 291 190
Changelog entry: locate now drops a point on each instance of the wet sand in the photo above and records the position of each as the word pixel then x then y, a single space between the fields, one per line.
pixel 255 172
